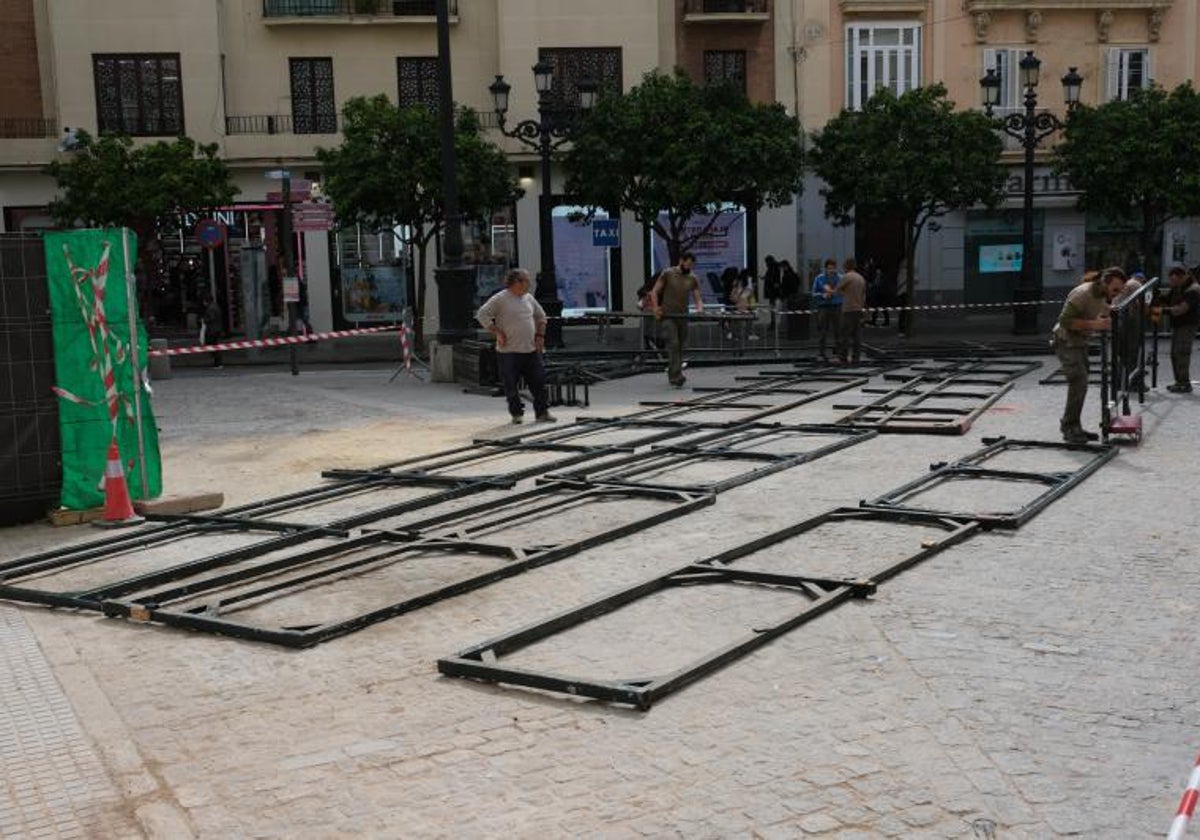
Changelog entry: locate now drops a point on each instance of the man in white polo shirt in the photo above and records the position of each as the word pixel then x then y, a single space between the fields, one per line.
pixel 518 322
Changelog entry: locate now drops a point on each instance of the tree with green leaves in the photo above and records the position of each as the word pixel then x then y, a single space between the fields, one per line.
pixel 671 148
pixel 113 181
pixel 387 173
pixel 1136 160
pixel 911 155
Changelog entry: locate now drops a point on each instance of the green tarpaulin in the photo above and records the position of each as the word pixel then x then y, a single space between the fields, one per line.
pixel 90 307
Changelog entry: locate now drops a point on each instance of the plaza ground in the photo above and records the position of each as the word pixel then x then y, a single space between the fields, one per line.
pixel 1038 683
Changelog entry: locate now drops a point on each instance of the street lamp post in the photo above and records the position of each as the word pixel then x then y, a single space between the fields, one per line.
pixel 553 128
pixel 1030 128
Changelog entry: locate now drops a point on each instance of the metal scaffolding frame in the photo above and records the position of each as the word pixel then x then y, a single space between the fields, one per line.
pixel 972 467
pixel 731 445
pixel 451 533
pixel 819 595
pixel 482 661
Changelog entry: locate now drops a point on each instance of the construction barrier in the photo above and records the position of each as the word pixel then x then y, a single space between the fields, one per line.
pixel 1187 805
pixel 279 341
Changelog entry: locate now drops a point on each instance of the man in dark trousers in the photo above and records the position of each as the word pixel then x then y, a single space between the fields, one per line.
pixel 852 289
pixel 213 324
pixel 518 322
pixel 669 299
pixel 1085 310
pixel 1183 305
pixel 827 304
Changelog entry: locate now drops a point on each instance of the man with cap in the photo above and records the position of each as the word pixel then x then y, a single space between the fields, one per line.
pixel 1183 305
pixel 1085 310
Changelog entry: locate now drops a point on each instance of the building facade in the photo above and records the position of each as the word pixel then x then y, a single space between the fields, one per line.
pixel 266 79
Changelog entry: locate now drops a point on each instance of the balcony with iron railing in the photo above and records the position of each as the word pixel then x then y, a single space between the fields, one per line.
pixel 265 124
pixel 726 11
pixel 27 128
pixel 354 11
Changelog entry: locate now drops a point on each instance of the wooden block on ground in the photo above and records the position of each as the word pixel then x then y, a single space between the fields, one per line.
pixel 63 516
pixel 175 505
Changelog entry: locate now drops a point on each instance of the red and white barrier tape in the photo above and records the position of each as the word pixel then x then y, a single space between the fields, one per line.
pixel 1187 805
pixel 271 342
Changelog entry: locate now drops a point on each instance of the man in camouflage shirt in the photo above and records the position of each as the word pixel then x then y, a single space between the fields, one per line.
pixel 1085 310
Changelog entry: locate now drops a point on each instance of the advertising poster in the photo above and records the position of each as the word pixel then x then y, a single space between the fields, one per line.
pixel 724 245
pixel 1000 259
pixel 373 293
pixel 581 267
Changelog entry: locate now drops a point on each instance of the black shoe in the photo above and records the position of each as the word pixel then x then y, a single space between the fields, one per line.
pixel 678 383
pixel 1177 388
pixel 1077 436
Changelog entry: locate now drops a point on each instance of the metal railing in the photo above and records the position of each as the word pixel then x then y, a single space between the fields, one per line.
pixel 278 124
pixel 20 128
pixel 726 7
pixel 343 8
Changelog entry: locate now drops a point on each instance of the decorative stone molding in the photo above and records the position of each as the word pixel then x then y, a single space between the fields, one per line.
pixel 1103 25
pixel 972 6
pixel 1155 19
pixel 1033 20
pixel 982 21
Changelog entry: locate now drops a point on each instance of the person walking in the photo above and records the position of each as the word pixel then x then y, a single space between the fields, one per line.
pixel 1085 310
pixel 669 299
pixel 828 306
pixel 852 289
pixel 518 323
pixel 773 285
pixel 1183 305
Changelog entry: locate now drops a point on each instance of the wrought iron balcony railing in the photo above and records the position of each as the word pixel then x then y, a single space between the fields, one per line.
pixel 751 9
pixel 27 128
pixel 353 8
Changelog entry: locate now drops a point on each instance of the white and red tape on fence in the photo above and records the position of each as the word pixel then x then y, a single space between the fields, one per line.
pixel 279 341
pixel 1187 805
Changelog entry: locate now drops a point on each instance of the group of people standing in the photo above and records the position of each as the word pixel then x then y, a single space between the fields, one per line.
pixel 838 301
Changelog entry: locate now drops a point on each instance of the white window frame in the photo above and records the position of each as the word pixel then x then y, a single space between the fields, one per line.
pixel 1006 62
pixel 870 66
pixel 1117 70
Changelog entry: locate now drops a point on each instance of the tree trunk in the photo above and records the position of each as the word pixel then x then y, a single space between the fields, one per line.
pixel 910 283
pixel 419 304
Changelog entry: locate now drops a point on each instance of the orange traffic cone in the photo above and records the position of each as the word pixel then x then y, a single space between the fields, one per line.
pixel 118 507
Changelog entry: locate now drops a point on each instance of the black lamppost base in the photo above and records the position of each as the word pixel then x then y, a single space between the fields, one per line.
pixel 554 327
pixel 1025 314
pixel 456 304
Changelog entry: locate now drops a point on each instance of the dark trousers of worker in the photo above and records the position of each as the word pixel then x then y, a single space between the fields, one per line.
pixel 1182 338
pixel 828 328
pixel 1074 362
pixel 528 366
pixel 850 336
pixel 675 332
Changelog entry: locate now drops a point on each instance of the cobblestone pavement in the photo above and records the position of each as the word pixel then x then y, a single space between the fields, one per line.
pixel 1029 684
pixel 52 782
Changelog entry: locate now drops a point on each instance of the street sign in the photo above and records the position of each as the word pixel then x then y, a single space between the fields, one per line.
pixel 211 233
pixel 312 217
pixel 291 289
pixel 606 233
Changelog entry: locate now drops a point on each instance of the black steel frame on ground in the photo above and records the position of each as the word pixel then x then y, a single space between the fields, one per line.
pixel 480 662
pixel 970 467
pixel 450 532
pixel 820 596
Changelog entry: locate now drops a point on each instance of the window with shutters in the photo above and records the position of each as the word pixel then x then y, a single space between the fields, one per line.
pixel 881 56
pixel 314 110
pixel 725 67
pixel 1127 70
pixel 601 64
pixel 1005 61
pixel 139 94
pixel 417 82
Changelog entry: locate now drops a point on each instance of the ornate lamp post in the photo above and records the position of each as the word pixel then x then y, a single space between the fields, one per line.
pixel 1030 128
pixel 554 127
